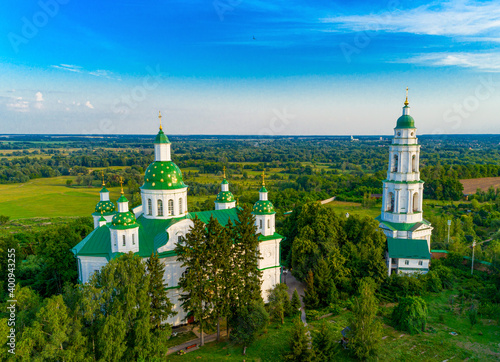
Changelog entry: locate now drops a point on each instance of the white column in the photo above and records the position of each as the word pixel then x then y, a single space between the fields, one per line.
pixel 410 202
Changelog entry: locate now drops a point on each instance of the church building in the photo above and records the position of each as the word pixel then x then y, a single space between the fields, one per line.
pixel 162 219
pixel 408 233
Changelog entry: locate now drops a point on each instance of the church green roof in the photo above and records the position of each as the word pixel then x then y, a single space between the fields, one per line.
pixel 163 175
pixel 405 121
pixel 122 199
pixel 124 220
pixel 105 208
pixel 161 137
pixel 263 207
pixel 225 196
pixel 263 189
pixel 152 234
pixel 408 248
pixel 104 189
pixel 224 182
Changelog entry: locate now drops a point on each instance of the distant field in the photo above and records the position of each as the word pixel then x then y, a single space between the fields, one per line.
pixel 472 184
pixel 49 197
pixel 354 208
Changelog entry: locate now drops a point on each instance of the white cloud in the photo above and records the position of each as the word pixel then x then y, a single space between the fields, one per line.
pixel 88 104
pixel 39 97
pixel 18 104
pixel 451 18
pixel 481 61
pixel 79 69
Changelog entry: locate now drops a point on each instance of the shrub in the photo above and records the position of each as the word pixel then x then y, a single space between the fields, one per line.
pixel 410 315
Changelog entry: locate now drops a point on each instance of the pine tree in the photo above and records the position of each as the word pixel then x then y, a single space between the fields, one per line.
pixel 323 343
pixel 365 333
pixel 323 281
pixel 195 282
pixel 249 322
pixel 410 315
pixel 296 304
pixel 311 299
pixel 246 245
pixel 300 343
pixel 161 307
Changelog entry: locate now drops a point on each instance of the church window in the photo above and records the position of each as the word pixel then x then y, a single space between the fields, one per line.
pixel 420 262
pixel 150 207
pixel 170 207
pixel 160 208
pixel 390 203
pixel 123 238
pixel 260 224
pixel 395 163
pixel 268 224
pixel 414 163
pixel 180 206
pixel 407 262
pixel 133 239
pixel 415 202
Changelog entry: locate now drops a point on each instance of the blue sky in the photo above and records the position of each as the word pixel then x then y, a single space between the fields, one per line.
pixel 248 66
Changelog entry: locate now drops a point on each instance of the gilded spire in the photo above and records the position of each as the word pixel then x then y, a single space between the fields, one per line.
pixel 224 170
pixel 121 184
pixel 406 101
pixel 159 116
pixel 263 178
pixel 103 183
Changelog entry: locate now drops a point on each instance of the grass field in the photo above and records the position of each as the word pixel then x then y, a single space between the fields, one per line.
pixel 355 208
pixel 481 343
pixel 49 197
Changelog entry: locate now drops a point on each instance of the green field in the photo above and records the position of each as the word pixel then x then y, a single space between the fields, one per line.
pixel 481 343
pixel 49 197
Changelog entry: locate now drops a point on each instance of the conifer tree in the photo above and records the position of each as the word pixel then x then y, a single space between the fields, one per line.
pixel 300 343
pixel 311 299
pixel 278 306
pixel 296 304
pixel 324 283
pixel 323 343
pixel 161 307
pixel 365 333
pixel 195 282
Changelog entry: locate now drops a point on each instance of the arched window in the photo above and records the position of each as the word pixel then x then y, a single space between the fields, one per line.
pixel 124 243
pixel 414 163
pixel 133 239
pixel 180 206
pixel 260 224
pixel 150 207
pixel 415 202
pixel 390 202
pixel 160 208
pixel 170 207
pixel 395 163
pixel 268 223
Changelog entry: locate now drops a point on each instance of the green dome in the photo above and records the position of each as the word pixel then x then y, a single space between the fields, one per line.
pixel 124 220
pixel 161 137
pixel 263 207
pixel 163 175
pixel 106 207
pixel 405 121
pixel 225 196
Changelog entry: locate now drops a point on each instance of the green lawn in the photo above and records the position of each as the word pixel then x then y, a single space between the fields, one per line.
pixel 354 208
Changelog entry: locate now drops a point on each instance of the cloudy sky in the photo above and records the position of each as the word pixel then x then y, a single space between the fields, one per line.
pixel 248 66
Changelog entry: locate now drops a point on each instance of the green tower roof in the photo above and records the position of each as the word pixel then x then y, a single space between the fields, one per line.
pixel 104 189
pixel 405 121
pixel 225 196
pixel 105 207
pixel 263 207
pixel 161 137
pixel 163 175
pixel 263 189
pixel 122 199
pixel 124 220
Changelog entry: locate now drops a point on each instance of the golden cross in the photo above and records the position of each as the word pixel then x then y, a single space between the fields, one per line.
pixel 121 183
pixel 263 179
pixel 102 174
pixel 159 116
pixel 406 101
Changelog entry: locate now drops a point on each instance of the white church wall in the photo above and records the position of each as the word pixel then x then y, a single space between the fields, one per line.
pixel 89 265
pixel 270 277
